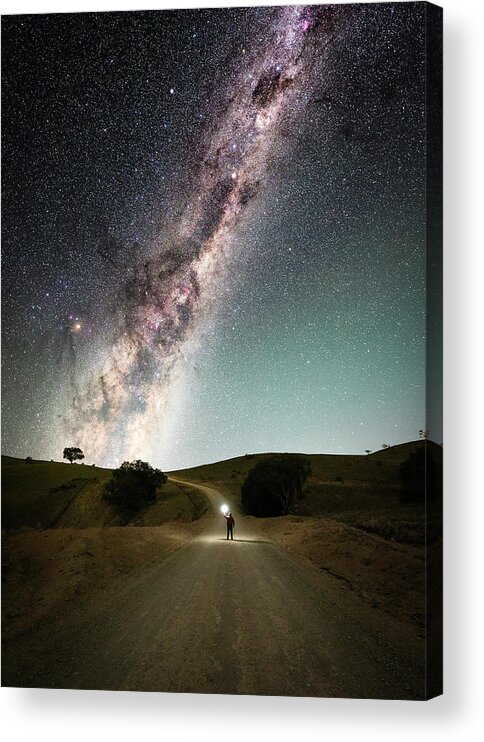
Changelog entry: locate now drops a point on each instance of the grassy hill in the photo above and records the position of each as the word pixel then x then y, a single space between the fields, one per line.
pixel 350 523
pixel 359 490
pixel 43 494
pixel 336 481
pixel 56 549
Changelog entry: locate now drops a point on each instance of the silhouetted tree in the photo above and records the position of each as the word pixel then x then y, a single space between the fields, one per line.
pixel 73 454
pixel 385 445
pixel 29 460
pixel 418 475
pixel 423 434
pixel 273 485
pixel 367 451
pixel 133 486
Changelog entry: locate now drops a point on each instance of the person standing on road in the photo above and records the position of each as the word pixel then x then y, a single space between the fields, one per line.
pixel 230 525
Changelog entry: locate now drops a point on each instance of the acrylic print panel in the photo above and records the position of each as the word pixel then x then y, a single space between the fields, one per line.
pixel 222 439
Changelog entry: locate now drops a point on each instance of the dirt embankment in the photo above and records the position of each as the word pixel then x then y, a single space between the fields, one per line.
pixel 387 575
pixel 46 572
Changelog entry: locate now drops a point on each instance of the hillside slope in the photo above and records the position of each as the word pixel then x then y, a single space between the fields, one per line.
pixel 43 494
pixel 336 483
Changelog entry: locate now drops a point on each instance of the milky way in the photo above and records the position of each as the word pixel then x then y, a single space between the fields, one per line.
pixel 164 298
pixel 262 165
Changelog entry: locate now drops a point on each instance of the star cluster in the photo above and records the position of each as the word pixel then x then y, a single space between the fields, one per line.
pixel 213 233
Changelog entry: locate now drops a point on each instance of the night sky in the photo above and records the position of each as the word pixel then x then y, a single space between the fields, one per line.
pixel 213 232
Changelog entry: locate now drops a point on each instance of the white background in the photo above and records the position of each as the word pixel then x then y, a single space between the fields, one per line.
pixel 80 715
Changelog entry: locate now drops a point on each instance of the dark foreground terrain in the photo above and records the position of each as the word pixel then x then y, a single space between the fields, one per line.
pixel 216 617
pixel 328 600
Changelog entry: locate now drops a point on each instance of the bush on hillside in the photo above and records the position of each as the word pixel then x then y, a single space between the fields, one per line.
pixel 418 476
pixel 132 487
pixel 273 485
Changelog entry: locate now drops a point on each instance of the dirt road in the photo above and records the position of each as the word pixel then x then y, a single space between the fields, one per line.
pixel 240 617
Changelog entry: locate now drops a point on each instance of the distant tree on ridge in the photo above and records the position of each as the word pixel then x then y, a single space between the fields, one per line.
pixel 73 454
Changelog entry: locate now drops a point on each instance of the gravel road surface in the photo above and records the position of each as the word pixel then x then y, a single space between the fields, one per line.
pixel 216 616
